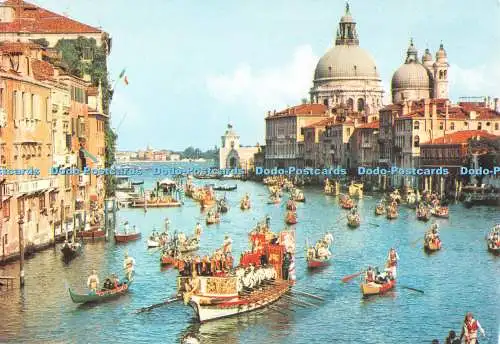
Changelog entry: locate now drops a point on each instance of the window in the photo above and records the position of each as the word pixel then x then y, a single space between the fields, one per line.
pixel 14 105
pixel 5 240
pixel 29 216
pixel 20 207
pixel 496 126
pixel 52 199
pixel 479 126
pixel 350 104
pixel 6 208
pixel 325 102
pixel 441 126
pixel 416 141
pixel 41 201
pixel 361 104
pixel 416 125
pixel 452 126
pixel 66 181
pixel 488 124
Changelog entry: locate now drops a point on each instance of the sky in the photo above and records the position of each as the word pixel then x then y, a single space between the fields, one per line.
pixel 194 66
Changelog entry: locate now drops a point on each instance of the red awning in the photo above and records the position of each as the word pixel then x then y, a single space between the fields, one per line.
pixel 93 197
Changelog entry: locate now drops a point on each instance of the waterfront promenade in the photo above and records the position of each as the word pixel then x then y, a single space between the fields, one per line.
pixel 462 277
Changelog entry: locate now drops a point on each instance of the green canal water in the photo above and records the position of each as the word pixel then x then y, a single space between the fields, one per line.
pixel 461 277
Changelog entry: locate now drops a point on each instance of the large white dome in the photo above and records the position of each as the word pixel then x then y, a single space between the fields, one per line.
pixel 345 62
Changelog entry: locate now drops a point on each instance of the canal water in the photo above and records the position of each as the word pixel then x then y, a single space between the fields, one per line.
pixel 462 277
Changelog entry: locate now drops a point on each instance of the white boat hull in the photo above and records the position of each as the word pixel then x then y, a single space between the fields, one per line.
pixel 152 244
pixel 211 312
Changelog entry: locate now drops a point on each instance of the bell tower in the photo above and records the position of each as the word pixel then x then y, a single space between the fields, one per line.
pixel 440 69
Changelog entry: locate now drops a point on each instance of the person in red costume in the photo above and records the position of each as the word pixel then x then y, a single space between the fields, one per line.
pixel 471 326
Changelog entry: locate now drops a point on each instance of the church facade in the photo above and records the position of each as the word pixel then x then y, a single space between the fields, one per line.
pixel 233 155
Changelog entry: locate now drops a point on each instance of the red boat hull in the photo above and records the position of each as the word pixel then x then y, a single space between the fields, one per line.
pixel 313 263
pixel 127 237
pixel 93 234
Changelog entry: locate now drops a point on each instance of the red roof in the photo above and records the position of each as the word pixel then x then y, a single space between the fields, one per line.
pixel 370 125
pixel 34 19
pixel 322 123
pixel 42 70
pixel 301 110
pixel 17 47
pixel 461 137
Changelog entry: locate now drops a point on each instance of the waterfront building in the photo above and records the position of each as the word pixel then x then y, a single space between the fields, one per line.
pixel 347 74
pixel 284 133
pixel 232 154
pixel 364 144
pixel 26 143
pixel 312 149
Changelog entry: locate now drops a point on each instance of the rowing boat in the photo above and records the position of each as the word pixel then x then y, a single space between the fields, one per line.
pixel 225 187
pixel 441 212
pixel 101 295
pixel 123 238
pixel 313 263
pixel 353 220
pixel 380 209
pixel 71 250
pixel 392 213
pixel 372 288
pixel 432 245
pixel 291 218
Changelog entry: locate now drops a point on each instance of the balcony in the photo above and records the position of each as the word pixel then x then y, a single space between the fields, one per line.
pixel 33 186
pixel 366 145
pixel 66 109
pixel 384 161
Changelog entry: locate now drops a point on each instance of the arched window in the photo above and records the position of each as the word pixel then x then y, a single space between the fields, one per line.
pixel 416 141
pixel 452 126
pixel 325 102
pixel 350 104
pixel 416 125
pixel 329 71
pixel 479 126
pixel 361 104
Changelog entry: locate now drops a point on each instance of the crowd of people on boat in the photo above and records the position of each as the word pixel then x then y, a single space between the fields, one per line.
pixel 493 237
pixel 321 250
pixel 432 235
pixel 373 274
pixel 112 282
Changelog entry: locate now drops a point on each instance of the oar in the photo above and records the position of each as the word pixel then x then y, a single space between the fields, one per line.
pixel 410 288
pixel 307 294
pixel 156 305
pixel 347 278
pixel 413 243
pixel 278 311
pixel 374 224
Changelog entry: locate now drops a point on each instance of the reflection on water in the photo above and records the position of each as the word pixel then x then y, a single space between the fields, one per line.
pixel 43 310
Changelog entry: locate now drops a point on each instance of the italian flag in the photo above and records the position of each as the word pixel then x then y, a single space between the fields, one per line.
pixel 123 76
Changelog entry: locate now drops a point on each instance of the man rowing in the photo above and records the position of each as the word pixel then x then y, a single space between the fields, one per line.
pixel 128 266
pixel 470 328
pixel 369 275
pixel 93 281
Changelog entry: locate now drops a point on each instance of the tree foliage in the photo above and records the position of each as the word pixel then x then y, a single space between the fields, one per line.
pixel 196 153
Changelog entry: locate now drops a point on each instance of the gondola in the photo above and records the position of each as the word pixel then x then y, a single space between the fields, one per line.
pixel 137 182
pixel 314 263
pixel 71 250
pixel 423 214
pixel 290 205
pixel 392 213
pixel 380 209
pixel 225 187
pixel 441 212
pixel 101 295
pixel 245 204
pixel 432 246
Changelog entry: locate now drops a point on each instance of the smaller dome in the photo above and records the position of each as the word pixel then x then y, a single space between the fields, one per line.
pixel 427 56
pixel 441 53
pixel 411 76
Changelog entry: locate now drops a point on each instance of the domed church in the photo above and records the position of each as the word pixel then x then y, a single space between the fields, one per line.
pixel 416 80
pixel 347 74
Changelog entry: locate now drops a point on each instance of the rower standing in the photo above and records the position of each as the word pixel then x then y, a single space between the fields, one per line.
pixel 392 258
pixel 369 275
pixel 228 245
pixel 198 230
pixel 128 265
pixel 470 328
pixel 93 281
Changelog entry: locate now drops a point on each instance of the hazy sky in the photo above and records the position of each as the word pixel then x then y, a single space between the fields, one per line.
pixel 192 65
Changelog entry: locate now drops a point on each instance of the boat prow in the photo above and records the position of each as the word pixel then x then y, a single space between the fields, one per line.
pixel 314 263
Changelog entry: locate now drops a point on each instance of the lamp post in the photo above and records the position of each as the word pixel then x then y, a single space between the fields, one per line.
pixel 20 222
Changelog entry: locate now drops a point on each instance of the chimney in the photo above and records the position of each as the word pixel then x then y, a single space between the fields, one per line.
pixel 426 107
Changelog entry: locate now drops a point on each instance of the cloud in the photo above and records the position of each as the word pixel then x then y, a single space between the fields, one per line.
pixel 475 81
pixel 266 89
